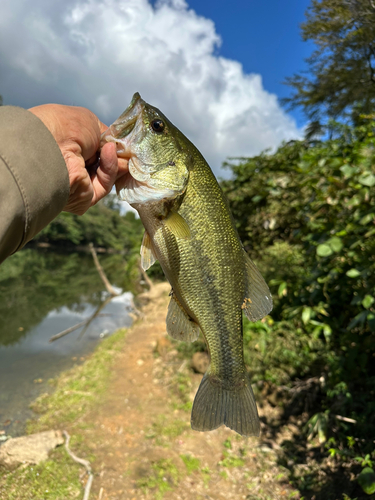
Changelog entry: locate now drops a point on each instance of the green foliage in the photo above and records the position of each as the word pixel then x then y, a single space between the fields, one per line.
pixel 341 80
pixel 163 477
pixel 231 460
pixel 306 214
pixel 103 225
pixel 37 282
pixel 54 479
pixel 278 352
pixel 192 463
pixel 366 480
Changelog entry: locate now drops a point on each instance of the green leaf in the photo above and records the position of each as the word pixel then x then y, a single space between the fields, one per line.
pixel 347 171
pixel 367 180
pixel 283 289
pixel 368 301
pixel 366 219
pixel 306 314
pixel 324 250
pixel 327 330
pixel 359 319
pixel 366 480
pixel 353 273
pixel 335 243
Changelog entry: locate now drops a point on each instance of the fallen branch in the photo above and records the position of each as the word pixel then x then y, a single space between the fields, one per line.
pixel 78 325
pixel 101 272
pixel 96 314
pixel 346 419
pixel 83 462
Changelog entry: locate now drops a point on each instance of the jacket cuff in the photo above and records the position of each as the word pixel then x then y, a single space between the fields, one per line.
pixel 35 183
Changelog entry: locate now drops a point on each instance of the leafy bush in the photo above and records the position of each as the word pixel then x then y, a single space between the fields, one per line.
pixel 306 214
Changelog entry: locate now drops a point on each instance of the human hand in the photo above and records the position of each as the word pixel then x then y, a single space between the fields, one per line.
pixel 77 131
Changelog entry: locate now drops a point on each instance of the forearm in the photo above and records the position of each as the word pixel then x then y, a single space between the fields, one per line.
pixel 34 181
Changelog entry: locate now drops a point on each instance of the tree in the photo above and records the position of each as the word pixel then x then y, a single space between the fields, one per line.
pixel 340 83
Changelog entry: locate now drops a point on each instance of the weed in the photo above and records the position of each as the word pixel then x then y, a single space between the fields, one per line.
pixel 227 444
pixel 192 463
pixel 163 428
pixel 164 476
pixel 206 474
pixel 55 479
pixel 231 461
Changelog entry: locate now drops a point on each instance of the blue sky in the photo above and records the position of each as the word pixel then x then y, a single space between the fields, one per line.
pixel 264 36
pixel 214 68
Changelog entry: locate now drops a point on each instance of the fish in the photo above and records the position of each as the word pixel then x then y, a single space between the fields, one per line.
pixel 189 229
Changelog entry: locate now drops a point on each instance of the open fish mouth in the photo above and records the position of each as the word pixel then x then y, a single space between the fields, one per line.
pixel 120 132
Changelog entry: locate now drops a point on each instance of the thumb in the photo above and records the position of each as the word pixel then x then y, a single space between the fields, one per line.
pixel 106 174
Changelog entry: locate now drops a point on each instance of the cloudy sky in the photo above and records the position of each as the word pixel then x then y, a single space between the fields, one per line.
pixel 215 71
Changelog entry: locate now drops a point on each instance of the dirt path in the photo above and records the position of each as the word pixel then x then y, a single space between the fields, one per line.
pixel 141 438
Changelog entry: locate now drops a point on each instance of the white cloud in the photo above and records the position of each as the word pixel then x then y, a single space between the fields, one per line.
pixel 97 53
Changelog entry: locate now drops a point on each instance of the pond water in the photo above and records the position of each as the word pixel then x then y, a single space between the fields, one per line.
pixel 42 294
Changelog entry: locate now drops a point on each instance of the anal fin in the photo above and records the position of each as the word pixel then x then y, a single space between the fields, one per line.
pixel 258 299
pixel 179 325
pixel 147 253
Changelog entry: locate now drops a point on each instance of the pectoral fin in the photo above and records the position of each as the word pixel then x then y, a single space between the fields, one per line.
pixel 147 254
pixel 179 325
pixel 177 225
pixel 258 299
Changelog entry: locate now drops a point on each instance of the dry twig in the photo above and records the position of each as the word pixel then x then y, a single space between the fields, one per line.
pixel 83 462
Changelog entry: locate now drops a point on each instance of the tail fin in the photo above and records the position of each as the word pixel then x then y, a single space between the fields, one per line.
pixel 214 406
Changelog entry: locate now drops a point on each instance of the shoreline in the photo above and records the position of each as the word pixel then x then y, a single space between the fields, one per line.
pixel 127 410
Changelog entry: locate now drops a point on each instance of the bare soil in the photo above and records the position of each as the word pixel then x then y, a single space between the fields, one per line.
pixel 141 438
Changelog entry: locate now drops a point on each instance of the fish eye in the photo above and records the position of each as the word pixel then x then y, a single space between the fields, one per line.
pixel 158 126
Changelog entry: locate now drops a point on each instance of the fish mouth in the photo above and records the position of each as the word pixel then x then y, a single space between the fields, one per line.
pixel 120 132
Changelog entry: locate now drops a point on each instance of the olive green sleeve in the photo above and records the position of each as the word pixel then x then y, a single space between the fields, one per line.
pixel 34 181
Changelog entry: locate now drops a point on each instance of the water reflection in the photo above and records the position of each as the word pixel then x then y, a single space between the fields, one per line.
pixel 42 294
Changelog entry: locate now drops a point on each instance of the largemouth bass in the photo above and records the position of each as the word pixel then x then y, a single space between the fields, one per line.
pixel 190 231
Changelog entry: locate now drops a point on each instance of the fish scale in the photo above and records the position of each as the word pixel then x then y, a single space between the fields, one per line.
pixel 190 230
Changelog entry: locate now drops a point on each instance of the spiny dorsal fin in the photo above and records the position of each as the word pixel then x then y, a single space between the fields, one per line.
pixel 179 325
pixel 258 299
pixel 177 225
pixel 147 254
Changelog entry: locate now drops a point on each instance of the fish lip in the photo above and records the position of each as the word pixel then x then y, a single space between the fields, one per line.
pixel 111 135
pixel 121 129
